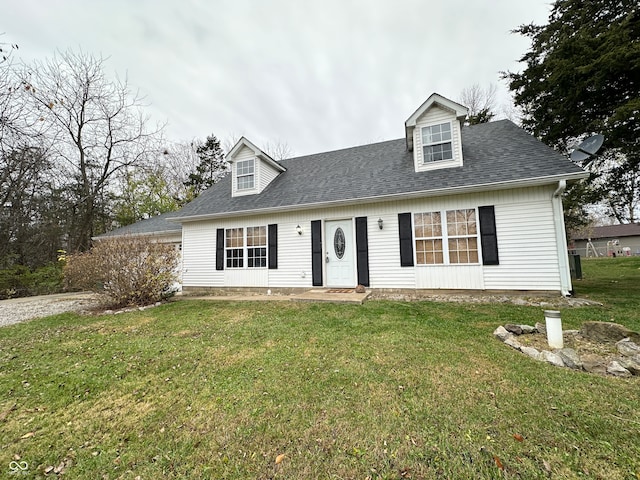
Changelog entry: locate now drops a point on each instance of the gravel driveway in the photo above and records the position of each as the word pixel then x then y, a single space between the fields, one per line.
pixel 18 310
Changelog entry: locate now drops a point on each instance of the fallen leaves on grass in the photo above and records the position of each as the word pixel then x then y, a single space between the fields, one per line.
pixel 28 435
pixel 518 437
pixel 61 468
pixel 5 413
pixel 405 473
pixel 280 458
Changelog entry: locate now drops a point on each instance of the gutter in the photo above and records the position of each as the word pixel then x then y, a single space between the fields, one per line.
pixel 159 233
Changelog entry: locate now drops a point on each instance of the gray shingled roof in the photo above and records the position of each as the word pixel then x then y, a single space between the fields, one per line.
pixel 155 225
pixel 493 152
pixel 610 231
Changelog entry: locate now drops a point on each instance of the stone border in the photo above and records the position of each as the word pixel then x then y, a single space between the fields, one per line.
pixel 626 365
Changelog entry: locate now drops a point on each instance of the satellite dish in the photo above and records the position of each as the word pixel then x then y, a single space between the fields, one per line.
pixel 587 148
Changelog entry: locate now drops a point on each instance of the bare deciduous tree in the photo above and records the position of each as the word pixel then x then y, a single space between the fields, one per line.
pixel 97 130
pixel 278 150
pixel 481 103
pixel 18 127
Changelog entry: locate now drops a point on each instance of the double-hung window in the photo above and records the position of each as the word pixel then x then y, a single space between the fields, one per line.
pixel 256 247
pixel 246 246
pixel 428 232
pixel 234 245
pixel 462 232
pixel 452 241
pixel 436 143
pixel 245 174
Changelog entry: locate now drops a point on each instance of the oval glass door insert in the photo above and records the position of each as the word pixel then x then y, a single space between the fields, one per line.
pixel 339 243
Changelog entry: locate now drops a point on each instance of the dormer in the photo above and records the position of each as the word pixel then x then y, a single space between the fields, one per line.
pixel 433 134
pixel 251 169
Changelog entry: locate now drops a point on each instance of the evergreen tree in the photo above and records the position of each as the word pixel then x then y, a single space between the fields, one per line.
pixel 212 166
pixel 582 76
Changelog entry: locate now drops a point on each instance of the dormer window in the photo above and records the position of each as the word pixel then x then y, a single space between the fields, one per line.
pixel 433 134
pixel 245 174
pixel 436 143
pixel 252 169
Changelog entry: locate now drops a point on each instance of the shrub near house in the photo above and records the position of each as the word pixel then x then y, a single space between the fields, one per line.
pixel 126 270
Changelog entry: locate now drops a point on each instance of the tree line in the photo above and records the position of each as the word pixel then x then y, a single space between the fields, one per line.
pixel 79 156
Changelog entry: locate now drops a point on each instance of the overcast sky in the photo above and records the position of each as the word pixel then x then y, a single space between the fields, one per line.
pixel 316 75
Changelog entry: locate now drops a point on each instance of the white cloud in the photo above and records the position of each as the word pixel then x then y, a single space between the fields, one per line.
pixel 318 75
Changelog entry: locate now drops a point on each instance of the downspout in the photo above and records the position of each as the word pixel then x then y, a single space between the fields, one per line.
pixel 561 240
pixel 562 186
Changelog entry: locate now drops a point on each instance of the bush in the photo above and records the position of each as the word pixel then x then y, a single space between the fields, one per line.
pixel 128 271
pixel 21 281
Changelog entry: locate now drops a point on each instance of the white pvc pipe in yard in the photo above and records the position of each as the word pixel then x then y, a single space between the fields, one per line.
pixel 554 328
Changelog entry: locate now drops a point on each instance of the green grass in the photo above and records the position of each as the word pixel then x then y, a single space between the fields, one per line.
pixel 393 390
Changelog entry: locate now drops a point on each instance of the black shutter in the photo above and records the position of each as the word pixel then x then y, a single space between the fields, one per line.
pixel 406 240
pixel 220 249
pixel 362 249
pixel 488 236
pixel 273 246
pixel 316 253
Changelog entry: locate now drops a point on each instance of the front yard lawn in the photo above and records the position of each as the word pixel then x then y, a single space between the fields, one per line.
pixel 197 389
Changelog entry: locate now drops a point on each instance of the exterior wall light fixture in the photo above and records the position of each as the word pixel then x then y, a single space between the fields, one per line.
pixel 380 222
pixel 299 230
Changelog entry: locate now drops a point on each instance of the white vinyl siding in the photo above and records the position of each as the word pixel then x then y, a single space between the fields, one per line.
pixel 527 248
pixel 294 252
pixel 525 231
pixel 384 250
pixel 465 277
pixel 199 256
pixel 267 175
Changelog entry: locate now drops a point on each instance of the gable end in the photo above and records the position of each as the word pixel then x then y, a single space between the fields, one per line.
pixel 252 170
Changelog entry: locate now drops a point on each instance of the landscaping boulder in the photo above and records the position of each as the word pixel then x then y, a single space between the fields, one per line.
pixel 552 358
pixel 594 364
pixel 531 352
pixel 515 329
pixel 570 358
pixel 520 329
pixel 502 333
pixel 628 348
pixel 607 332
pixel 614 368
pixel 360 289
pixel 631 363
pixel 512 342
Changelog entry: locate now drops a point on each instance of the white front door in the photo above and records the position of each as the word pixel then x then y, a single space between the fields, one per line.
pixel 340 254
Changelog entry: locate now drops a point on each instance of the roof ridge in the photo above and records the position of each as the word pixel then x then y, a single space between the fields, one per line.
pixel 344 149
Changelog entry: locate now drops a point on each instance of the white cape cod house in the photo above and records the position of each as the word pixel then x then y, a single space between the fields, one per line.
pixel 445 207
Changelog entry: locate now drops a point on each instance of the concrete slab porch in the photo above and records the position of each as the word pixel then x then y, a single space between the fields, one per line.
pixel 313 295
pixel 332 295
